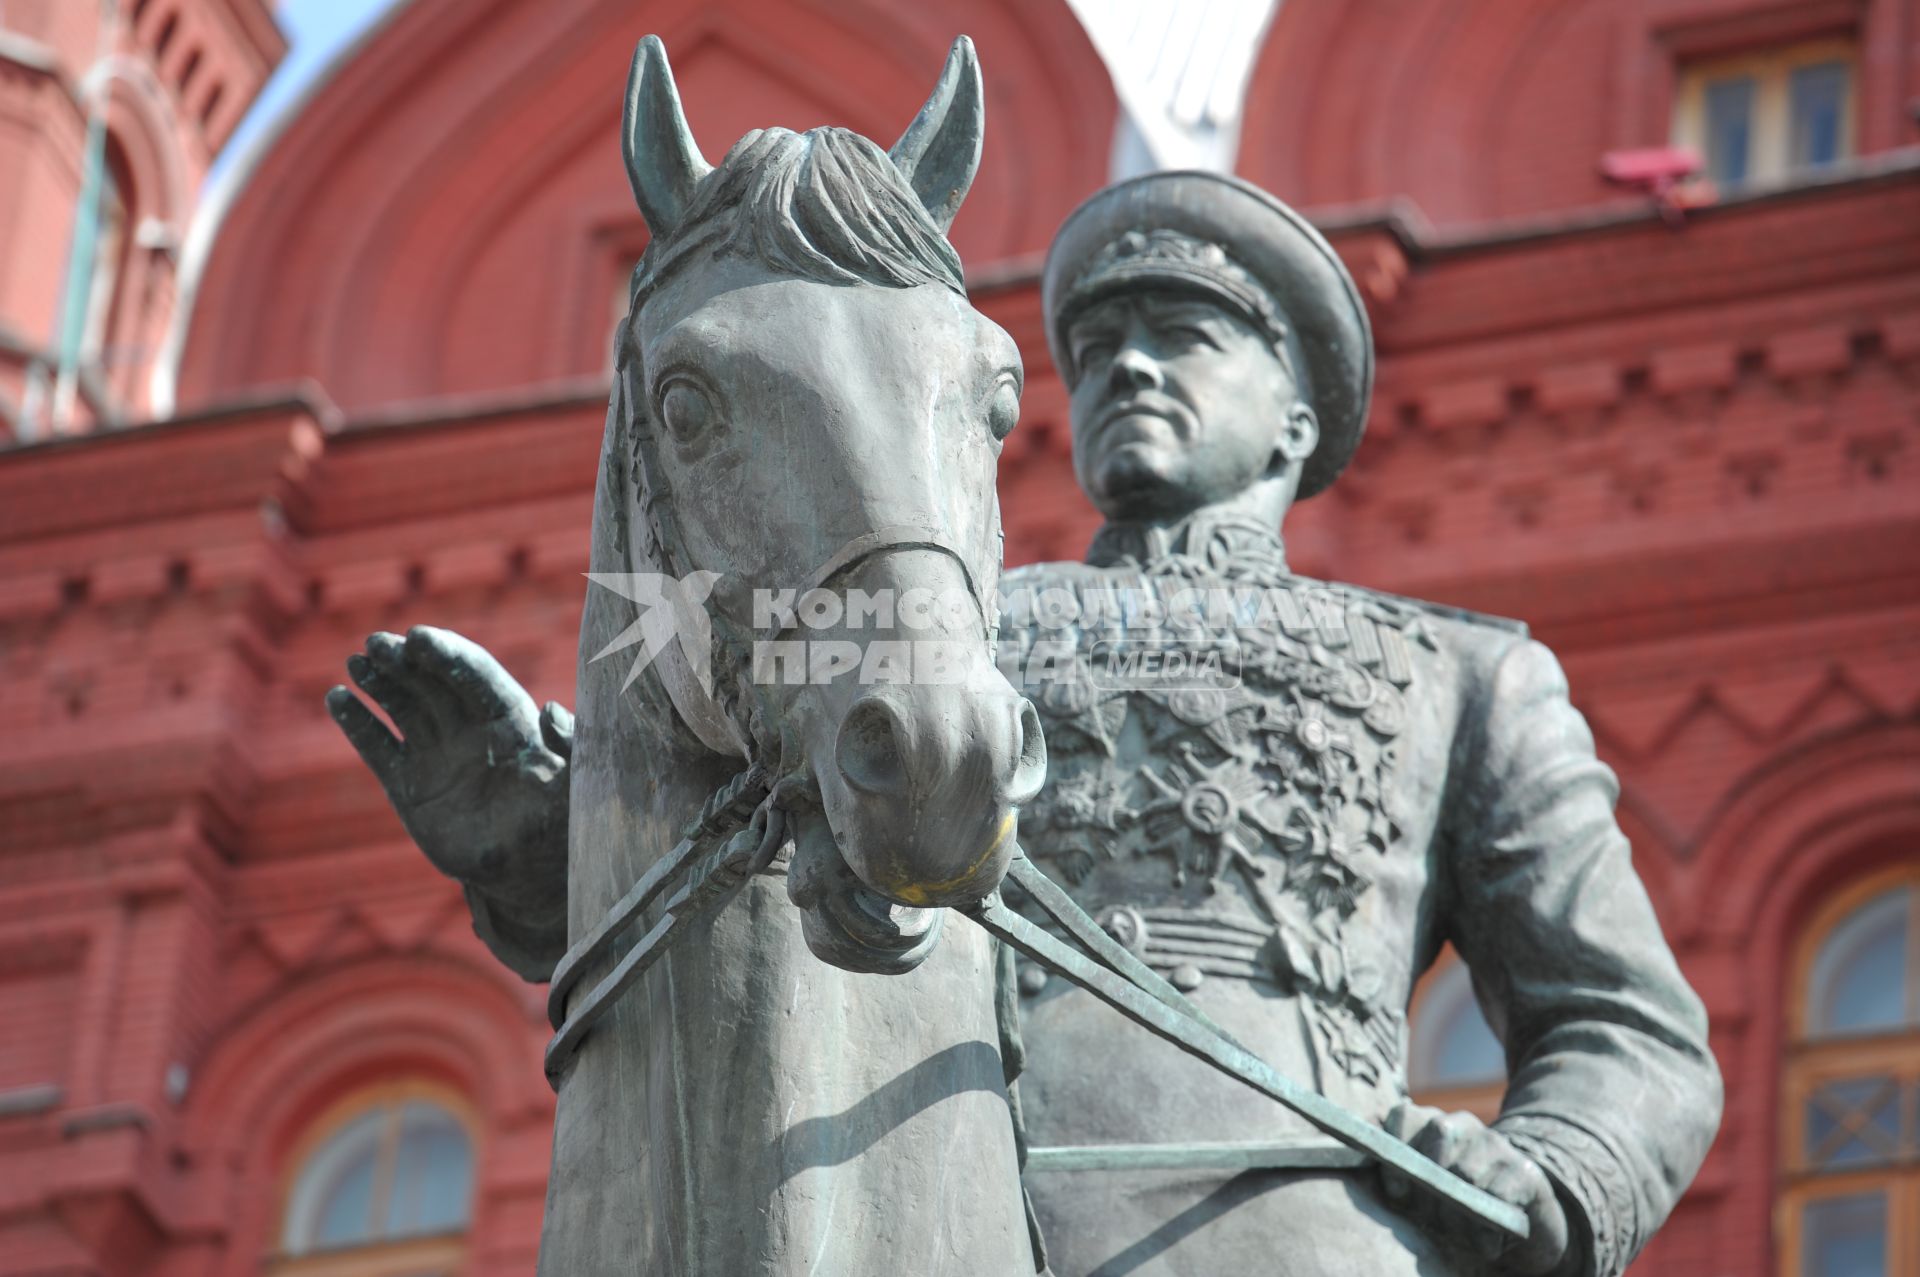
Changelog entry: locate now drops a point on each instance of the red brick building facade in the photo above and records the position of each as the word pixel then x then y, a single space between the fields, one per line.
pixel 1680 440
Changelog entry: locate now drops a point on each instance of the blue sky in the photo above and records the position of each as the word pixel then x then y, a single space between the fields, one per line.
pixel 316 30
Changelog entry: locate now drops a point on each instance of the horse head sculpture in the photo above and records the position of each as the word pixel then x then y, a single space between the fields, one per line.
pixel 806 404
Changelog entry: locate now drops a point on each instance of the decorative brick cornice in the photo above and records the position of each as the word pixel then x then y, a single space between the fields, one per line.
pixel 1785 359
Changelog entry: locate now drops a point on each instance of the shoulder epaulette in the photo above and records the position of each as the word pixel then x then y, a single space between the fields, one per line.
pixel 1448 611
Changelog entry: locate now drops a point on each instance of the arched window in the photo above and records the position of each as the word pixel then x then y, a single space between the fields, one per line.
pixel 1851 1134
pixel 1454 1060
pixel 383 1187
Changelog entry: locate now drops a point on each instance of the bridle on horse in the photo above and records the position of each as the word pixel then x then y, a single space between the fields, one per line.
pixel 741 827
pixel 737 833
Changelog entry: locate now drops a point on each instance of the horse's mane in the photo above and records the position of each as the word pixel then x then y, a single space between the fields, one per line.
pixel 825 205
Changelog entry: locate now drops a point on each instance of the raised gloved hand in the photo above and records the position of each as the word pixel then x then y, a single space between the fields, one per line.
pixel 478 775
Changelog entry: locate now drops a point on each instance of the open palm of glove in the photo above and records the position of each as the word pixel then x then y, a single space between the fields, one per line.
pixel 478 773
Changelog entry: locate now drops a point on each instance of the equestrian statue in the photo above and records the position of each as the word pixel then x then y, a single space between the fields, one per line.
pixel 1205 822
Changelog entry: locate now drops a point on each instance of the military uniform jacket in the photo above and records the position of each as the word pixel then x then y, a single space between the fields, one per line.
pixel 1288 810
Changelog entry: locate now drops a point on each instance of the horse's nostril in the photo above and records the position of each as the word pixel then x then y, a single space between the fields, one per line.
pixel 1031 771
pixel 870 750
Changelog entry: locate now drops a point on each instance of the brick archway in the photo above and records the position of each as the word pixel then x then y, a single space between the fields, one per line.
pixel 1501 91
pixel 1797 831
pixel 326 1035
pixel 490 265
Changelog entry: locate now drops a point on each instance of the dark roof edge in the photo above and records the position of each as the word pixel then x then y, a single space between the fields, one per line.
pixel 1403 220
pixel 308 399
pixel 454 410
pixel 304 398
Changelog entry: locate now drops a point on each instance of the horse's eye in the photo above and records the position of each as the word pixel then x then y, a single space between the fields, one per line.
pixel 686 410
pixel 1004 412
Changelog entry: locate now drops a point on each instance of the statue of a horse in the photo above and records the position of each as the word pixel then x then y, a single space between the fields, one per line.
pixel 804 402
pixel 804 399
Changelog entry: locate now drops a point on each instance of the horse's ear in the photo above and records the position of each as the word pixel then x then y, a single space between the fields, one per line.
pixel 664 163
pixel 940 151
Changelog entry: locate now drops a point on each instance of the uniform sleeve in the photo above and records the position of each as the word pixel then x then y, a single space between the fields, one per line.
pixel 530 946
pixel 1612 1088
pixel 527 936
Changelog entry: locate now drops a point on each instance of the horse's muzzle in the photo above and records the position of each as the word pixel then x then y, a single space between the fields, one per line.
pixel 924 784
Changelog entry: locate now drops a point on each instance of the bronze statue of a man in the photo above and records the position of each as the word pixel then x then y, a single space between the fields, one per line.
pixel 1290 846
pixel 1293 850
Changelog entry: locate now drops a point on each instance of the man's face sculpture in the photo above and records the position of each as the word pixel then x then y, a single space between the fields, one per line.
pixel 1178 403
